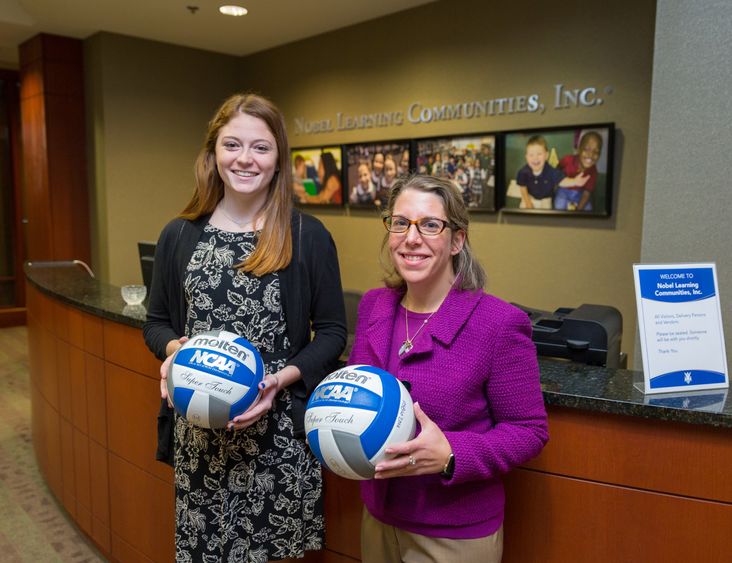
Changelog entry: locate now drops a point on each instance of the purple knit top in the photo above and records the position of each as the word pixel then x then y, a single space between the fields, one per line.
pixel 474 372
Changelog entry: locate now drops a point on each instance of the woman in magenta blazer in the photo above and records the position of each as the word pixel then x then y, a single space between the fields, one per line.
pixel 472 369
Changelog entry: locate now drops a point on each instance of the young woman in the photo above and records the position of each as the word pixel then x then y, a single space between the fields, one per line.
pixel 240 259
pixel 472 370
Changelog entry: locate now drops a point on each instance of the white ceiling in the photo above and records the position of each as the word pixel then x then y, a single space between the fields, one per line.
pixel 269 23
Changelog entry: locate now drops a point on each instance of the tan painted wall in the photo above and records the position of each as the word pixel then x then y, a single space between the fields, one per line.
pixel 154 101
pixel 148 104
pixel 450 52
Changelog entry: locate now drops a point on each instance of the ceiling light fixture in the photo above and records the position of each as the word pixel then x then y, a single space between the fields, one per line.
pixel 233 10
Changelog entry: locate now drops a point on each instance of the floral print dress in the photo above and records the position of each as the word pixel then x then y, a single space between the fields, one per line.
pixel 255 494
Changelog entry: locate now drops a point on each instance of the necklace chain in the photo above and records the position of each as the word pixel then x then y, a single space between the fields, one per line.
pixel 239 224
pixel 408 344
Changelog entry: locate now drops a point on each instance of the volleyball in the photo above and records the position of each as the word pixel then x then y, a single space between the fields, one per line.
pixel 214 377
pixel 353 415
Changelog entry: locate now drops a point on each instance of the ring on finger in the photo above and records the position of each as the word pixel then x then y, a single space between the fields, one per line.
pixel 412 461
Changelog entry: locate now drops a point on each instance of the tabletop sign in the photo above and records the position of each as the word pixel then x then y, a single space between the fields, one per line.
pixel 680 324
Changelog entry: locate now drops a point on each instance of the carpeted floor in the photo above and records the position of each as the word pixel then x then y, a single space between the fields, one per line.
pixel 33 527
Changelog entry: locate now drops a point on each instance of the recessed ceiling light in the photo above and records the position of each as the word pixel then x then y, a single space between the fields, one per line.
pixel 233 10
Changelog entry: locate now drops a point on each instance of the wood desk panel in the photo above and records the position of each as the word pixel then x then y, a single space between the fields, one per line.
pixel 682 459
pixel 141 510
pixel 556 519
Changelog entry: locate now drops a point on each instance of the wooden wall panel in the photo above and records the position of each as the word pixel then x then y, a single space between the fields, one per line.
pixel 124 346
pixel 76 387
pixel 148 523
pixel 35 171
pixel 93 335
pixel 48 381
pixel 50 423
pixel 66 161
pixel 78 390
pixel 132 410
pixel 45 311
pixel 63 373
pixel 75 322
pixel 83 480
pixel 37 430
pixel 99 487
pixel 54 148
pixel 67 467
pixel 343 515
pixel 123 551
pixel 556 519
pixel 60 320
pixel 683 459
pixel 34 337
pixel 96 399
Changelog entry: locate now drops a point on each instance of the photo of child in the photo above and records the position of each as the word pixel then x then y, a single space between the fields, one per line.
pixel 468 161
pixel 537 179
pixel 364 191
pixel 544 182
pixel 316 175
pixel 372 170
pixel 582 168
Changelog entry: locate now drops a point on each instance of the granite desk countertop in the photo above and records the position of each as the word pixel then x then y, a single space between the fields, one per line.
pixel 565 384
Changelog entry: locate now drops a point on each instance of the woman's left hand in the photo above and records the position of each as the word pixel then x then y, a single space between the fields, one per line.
pixel 268 388
pixel 424 455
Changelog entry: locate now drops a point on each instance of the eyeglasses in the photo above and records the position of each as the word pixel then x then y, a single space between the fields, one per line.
pixel 429 226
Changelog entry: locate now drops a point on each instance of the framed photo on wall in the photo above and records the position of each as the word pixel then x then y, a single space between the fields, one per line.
pixel 317 175
pixel 560 171
pixel 372 168
pixel 469 161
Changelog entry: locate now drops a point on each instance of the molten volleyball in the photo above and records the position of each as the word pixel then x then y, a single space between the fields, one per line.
pixel 214 377
pixel 353 415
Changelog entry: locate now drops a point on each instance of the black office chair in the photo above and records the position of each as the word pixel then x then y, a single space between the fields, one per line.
pixel 351 298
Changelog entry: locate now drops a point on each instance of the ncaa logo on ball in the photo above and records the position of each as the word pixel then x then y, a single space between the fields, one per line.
pixel 353 414
pixel 214 377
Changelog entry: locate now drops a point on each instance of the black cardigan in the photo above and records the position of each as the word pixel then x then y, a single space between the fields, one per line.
pixel 312 300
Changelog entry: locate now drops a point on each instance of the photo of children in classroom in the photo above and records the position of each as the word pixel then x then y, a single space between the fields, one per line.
pixel 468 161
pixel 559 170
pixel 372 170
pixel 316 176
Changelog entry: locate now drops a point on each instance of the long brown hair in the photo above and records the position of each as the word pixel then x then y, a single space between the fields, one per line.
pixel 274 246
pixel 468 271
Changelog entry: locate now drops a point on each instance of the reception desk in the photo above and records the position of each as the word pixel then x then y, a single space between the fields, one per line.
pixel 624 478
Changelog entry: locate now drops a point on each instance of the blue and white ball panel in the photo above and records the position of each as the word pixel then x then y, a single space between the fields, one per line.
pixel 214 377
pixel 353 414
pixel 401 429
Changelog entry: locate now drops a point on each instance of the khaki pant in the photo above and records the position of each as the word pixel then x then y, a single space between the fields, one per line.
pixel 381 543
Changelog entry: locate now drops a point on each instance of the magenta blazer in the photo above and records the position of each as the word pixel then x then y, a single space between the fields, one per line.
pixel 474 372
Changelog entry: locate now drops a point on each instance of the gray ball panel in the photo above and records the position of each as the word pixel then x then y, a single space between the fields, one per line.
pixel 218 412
pixel 350 447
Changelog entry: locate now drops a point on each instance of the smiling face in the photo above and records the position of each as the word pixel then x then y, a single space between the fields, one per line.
pixel 364 175
pixel 423 262
pixel 390 170
pixel 246 157
pixel 378 163
pixel 536 156
pixel 589 151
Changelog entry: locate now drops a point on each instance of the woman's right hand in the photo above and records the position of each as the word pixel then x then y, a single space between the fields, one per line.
pixel 170 349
